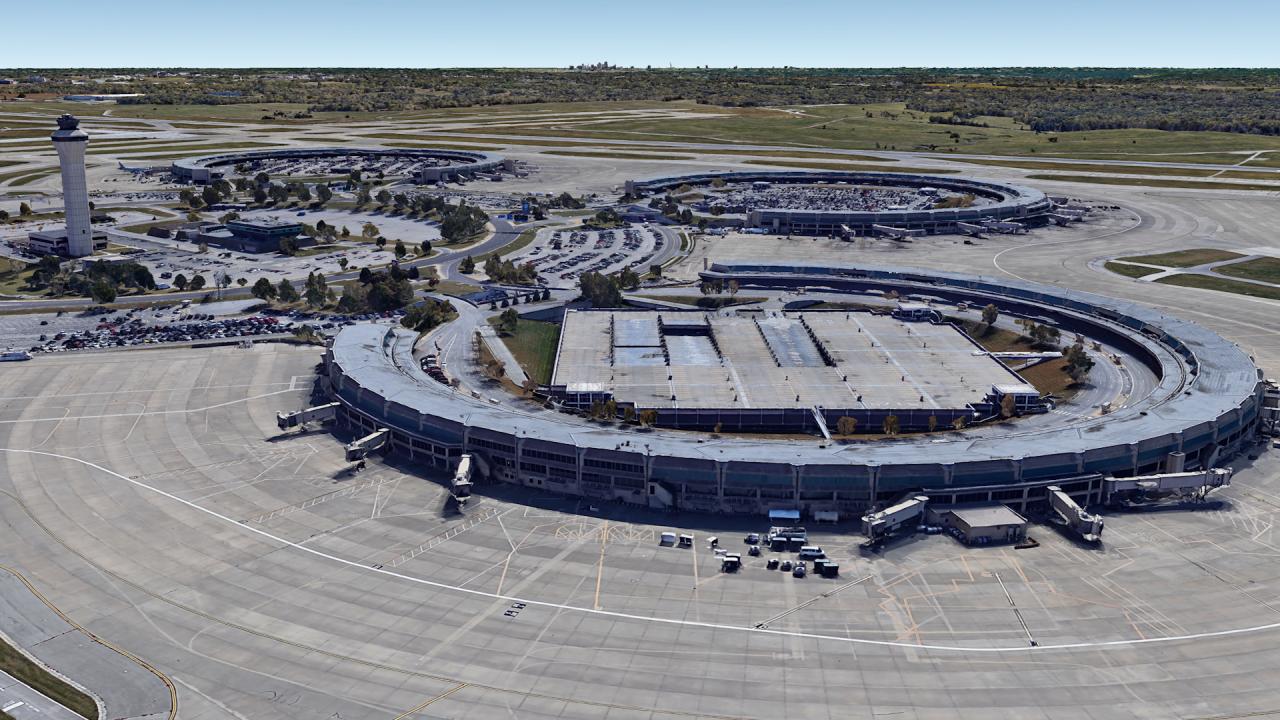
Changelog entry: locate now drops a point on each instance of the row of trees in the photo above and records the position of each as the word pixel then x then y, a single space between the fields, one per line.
pixel 506 271
pixel 891 425
pixel 100 281
pixel 427 315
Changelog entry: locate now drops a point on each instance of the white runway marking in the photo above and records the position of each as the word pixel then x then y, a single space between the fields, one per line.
pixel 645 618
pixel 147 414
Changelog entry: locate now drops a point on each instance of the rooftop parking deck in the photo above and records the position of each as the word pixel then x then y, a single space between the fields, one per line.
pixel 774 360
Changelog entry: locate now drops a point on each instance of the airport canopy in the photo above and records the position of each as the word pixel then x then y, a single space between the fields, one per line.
pixel 784 515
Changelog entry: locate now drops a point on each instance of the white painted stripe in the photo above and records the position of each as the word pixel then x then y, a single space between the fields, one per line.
pixel 645 618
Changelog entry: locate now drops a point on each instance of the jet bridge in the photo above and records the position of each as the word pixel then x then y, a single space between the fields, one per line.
pixel 319 413
pixel 460 488
pixel 1068 513
pixel 376 440
pixel 1165 487
pixel 878 526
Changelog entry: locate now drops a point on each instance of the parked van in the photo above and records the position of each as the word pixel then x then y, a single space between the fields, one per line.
pixel 667 539
pixel 686 541
pixel 811 552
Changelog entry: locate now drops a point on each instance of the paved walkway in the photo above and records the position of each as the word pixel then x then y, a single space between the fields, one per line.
pixel 500 351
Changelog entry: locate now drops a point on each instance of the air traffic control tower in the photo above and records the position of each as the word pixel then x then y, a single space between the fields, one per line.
pixel 71 142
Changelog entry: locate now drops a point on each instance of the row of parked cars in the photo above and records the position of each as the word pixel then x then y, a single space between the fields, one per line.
pixel 118 332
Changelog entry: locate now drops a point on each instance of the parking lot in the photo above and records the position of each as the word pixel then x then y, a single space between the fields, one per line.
pixel 562 256
pixel 833 197
pixel 170 323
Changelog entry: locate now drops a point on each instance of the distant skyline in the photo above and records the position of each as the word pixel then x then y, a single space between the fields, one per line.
pixel 661 33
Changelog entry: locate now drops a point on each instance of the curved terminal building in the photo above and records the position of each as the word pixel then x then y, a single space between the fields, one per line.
pixel 1205 402
pixel 994 202
pixel 430 165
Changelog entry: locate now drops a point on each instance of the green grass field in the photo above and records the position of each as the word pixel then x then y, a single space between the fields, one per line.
pixel 1205 282
pixel 1100 168
pixel 49 685
pixel 616 155
pixel 1133 271
pixel 188 150
pixel 1184 258
pixel 892 127
pixel 13 276
pixel 534 346
pixel 27 177
pixel 1265 269
pixel 852 167
pixel 1154 182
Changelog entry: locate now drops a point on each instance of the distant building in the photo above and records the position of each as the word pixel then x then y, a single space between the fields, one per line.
pixel 54 242
pixel 255 235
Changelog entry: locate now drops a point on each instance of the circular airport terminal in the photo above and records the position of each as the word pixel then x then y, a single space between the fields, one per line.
pixel 424 166
pixel 850 203
pixel 673 410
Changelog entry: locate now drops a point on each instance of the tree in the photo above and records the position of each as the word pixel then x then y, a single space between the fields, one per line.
pixel 733 287
pixel 314 293
pixel 180 281
pixel 509 322
pixel 933 423
pixel 142 277
pixel 210 195
pixel 368 231
pixel 847 425
pixel 601 291
pixel 262 179
pixel 24 209
pixel 286 292
pixel 655 271
pixel 1008 406
pixel 242 281
pixel 263 289
pixel 381 242
pixel 198 282
pixel 1078 362
pixel 343 263
pixel 383 197
pixel 891 425
pixel 648 418
pixel 260 196
pixel 467 266
pixel 426 247
pixel 323 193
pixel 103 291
pixel 990 314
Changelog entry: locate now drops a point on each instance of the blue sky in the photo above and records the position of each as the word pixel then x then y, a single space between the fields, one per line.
pixel 720 33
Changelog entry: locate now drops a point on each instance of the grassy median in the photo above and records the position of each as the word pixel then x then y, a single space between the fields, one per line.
pixel 46 683
pixel 534 346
